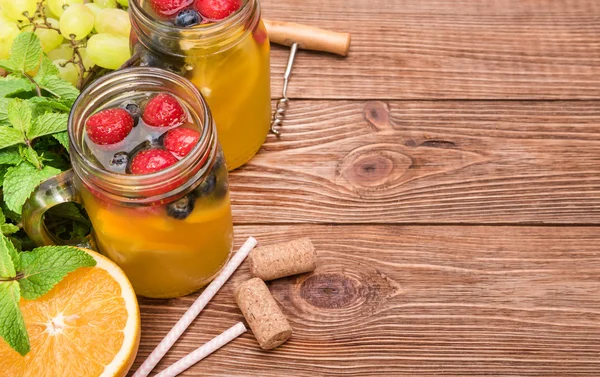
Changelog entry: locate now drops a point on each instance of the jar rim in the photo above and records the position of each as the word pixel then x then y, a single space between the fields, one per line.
pixel 203 36
pixel 139 188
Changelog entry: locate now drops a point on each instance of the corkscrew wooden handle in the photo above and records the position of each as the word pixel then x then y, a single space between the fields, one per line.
pixel 308 37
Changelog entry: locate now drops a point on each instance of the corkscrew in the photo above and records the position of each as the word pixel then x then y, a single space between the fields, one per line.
pixel 306 37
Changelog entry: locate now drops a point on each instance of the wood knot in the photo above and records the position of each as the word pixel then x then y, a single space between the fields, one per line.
pixel 374 166
pixel 377 114
pixel 329 291
pixel 444 144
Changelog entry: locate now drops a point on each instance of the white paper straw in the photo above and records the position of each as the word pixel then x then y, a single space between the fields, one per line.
pixel 200 353
pixel 195 309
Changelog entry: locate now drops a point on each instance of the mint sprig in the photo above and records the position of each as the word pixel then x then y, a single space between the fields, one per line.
pixel 34 107
pixel 31 275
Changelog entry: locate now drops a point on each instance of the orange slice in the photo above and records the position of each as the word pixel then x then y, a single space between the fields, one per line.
pixel 87 325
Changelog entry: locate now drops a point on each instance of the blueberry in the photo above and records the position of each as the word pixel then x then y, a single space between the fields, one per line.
pixel 181 208
pixel 119 160
pixel 188 17
pixel 207 186
pixel 134 110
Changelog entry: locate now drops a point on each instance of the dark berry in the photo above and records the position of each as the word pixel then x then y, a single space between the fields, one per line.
pixel 207 186
pixel 181 208
pixel 134 110
pixel 151 160
pixel 180 141
pixel 164 110
pixel 188 17
pixel 109 126
pixel 119 160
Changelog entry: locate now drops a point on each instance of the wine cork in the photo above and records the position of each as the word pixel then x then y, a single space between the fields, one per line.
pixel 269 325
pixel 283 259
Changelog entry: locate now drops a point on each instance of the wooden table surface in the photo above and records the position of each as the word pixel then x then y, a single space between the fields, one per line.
pixel 448 172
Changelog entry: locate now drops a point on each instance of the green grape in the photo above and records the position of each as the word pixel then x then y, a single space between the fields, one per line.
pixel 64 51
pixel 87 62
pixel 48 12
pixel 8 31
pixel 124 3
pixel 94 8
pixel 58 6
pixel 77 20
pixel 107 50
pixel 69 72
pixel 14 9
pixel 49 38
pixel 113 21
pixel 106 3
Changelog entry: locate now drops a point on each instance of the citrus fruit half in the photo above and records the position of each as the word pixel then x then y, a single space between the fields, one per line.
pixel 87 325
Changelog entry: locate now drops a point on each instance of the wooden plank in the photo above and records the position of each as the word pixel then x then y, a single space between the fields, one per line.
pixel 454 49
pixel 413 301
pixel 426 162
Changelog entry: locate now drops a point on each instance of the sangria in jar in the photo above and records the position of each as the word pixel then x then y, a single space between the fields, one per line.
pixel 223 48
pixel 148 168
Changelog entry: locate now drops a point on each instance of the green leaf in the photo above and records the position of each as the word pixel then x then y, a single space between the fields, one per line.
pixel 7 267
pixel 45 104
pixel 15 256
pixel 12 325
pixel 47 124
pixel 45 266
pixel 19 115
pixel 8 229
pixel 63 139
pixel 10 156
pixel 26 52
pixel 2 217
pixel 21 180
pixel 47 68
pixel 30 155
pixel 60 88
pixel 11 85
pixel 69 211
pixel 3 170
pixel 3 109
pixel 9 136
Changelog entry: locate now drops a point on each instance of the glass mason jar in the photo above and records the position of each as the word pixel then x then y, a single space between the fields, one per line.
pixel 162 256
pixel 228 61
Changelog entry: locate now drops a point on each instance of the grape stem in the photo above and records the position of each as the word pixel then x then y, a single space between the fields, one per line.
pixel 41 13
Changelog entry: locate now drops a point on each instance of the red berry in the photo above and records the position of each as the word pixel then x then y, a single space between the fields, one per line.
pixel 180 141
pixel 151 160
pixel 164 111
pixel 259 34
pixel 217 9
pixel 167 8
pixel 109 126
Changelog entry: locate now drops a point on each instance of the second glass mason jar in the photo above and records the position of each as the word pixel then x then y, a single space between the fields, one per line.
pixel 228 61
pixel 161 255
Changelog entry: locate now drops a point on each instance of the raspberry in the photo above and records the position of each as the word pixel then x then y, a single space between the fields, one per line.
pixel 180 141
pixel 151 160
pixel 217 9
pixel 166 8
pixel 164 111
pixel 109 126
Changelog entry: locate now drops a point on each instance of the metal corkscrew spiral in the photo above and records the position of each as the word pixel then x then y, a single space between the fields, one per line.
pixel 282 103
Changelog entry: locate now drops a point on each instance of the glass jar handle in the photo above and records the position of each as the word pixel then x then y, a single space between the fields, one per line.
pixel 56 190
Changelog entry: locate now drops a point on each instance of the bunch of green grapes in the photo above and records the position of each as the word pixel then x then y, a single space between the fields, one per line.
pixel 75 34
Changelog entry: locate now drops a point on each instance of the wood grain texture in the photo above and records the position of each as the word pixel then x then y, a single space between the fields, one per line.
pixel 446 49
pixel 426 162
pixel 412 301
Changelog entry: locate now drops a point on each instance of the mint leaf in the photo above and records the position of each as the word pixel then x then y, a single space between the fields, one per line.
pixel 11 85
pixel 14 255
pixel 9 156
pixel 47 68
pixel 3 109
pixel 59 88
pixel 8 229
pixel 45 104
pixel 21 180
pixel 45 266
pixel 47 124
pixel 26 52
pixel 19 115
pixel 63 139
pixel 30 155
pixel 3 170
pixel 9 136
pixel 12 327
pixel 7 267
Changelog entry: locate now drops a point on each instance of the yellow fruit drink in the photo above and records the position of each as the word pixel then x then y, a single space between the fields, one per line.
pixel 149 170
pixel 227 60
